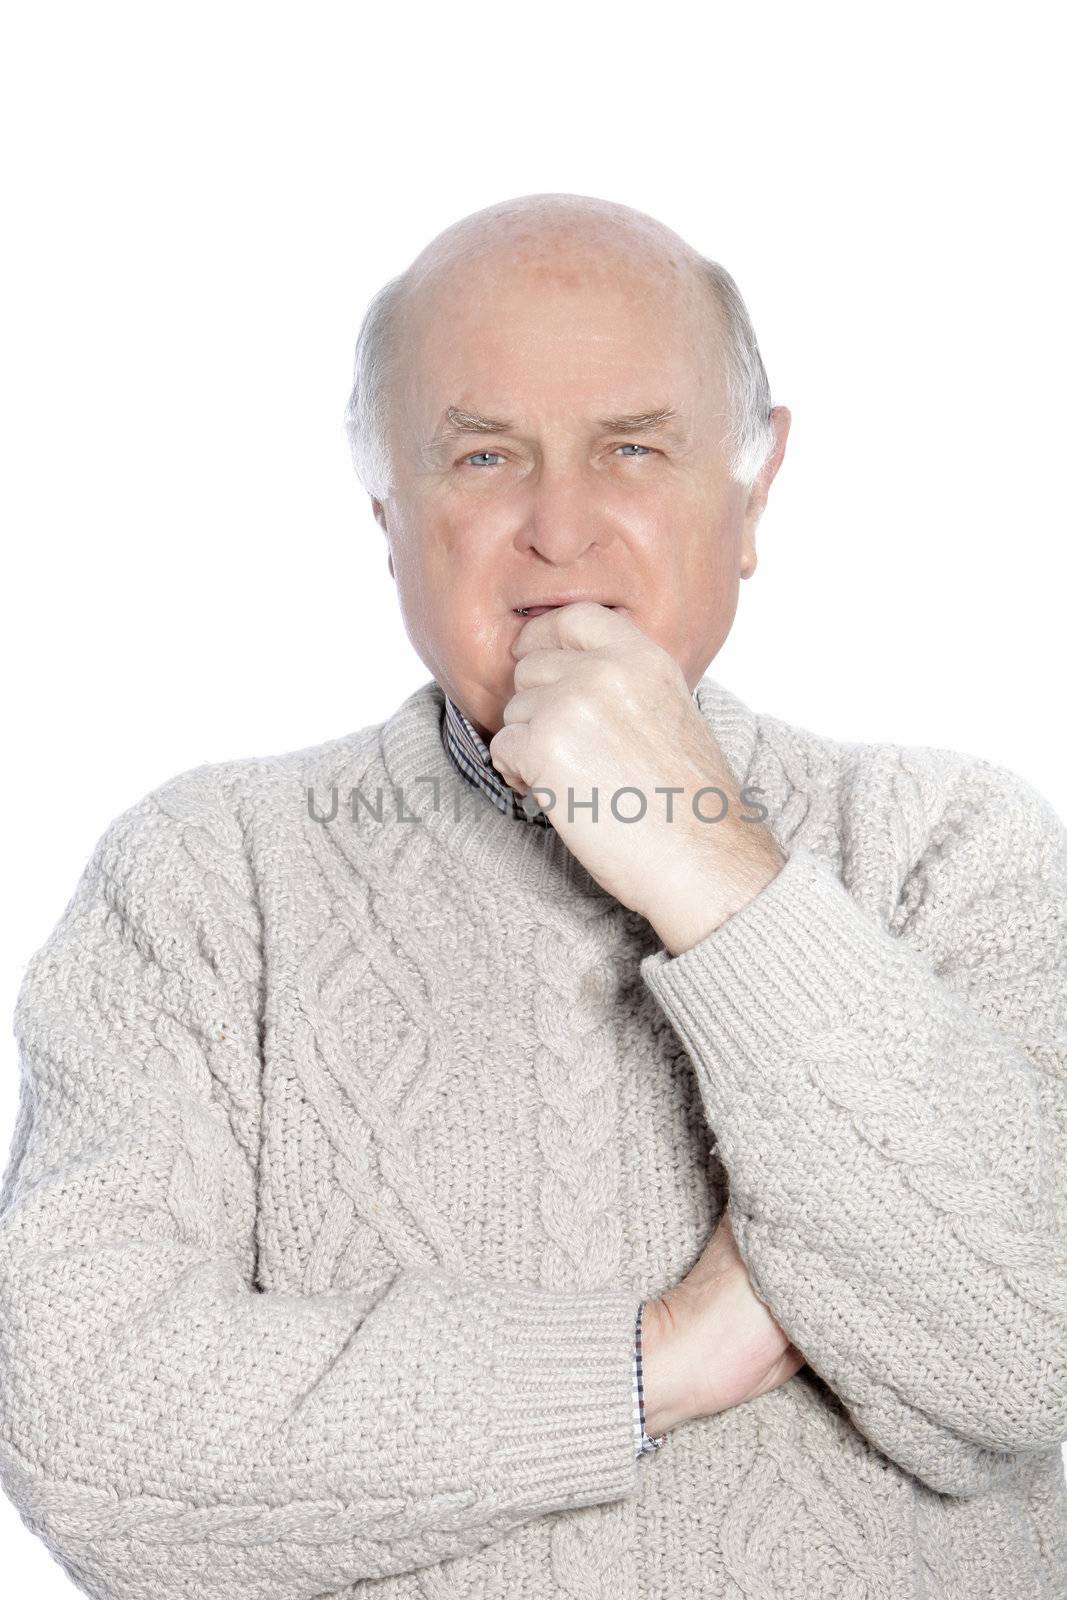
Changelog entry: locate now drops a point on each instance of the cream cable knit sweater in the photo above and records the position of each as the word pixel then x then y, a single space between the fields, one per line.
pixel 346 1151
pixel 470 755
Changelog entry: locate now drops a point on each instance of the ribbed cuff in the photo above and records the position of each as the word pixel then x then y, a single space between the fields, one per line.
pixel 800 957
pixel 564 1413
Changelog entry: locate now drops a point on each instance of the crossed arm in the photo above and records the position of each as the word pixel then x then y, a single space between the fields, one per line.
pixel 889 1096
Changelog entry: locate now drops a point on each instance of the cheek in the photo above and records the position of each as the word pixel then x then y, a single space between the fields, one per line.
pixel 459 545
pixel 708 541
pixel 716 563
pixel 696 582
pixel 449 586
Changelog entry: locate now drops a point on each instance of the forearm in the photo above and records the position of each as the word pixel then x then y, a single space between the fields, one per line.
pixel 164 1423
pixel 857 1098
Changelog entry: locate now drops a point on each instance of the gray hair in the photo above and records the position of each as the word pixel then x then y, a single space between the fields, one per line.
pixel 749 441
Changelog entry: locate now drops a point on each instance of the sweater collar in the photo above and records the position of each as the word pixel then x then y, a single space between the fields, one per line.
pixel 466 820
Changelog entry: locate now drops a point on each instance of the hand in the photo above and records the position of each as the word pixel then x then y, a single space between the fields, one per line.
pixel 600 707
pixel 710 1343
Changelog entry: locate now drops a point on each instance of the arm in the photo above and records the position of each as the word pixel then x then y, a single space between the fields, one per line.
pixel 166 1428
pixel 892 1110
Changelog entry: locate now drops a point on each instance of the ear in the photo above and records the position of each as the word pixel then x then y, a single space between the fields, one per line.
pixel 378 508
pixel 780 419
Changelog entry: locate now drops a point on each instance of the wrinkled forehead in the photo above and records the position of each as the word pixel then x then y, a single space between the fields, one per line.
pixel 557 314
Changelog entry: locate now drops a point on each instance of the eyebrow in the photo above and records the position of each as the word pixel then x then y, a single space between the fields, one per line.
pixel 638 421
pixel 458 422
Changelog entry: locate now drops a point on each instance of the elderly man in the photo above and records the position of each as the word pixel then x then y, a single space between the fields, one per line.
pixel 418 1128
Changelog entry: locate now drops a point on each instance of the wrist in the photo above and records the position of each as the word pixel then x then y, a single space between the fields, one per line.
pixel 664 1381
pixel 708 888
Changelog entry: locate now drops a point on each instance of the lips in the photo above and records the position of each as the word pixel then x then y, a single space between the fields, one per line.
pixel 537 611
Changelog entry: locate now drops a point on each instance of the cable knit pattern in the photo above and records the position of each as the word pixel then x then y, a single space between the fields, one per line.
pixel 353 1133
pixel 470 755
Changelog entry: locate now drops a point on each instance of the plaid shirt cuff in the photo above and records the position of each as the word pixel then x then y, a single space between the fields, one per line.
pixel 643 1444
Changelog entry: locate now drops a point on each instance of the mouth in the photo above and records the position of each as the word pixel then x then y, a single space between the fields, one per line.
pixel 554 605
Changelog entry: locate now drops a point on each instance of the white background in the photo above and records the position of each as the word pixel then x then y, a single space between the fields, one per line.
pixel 203 198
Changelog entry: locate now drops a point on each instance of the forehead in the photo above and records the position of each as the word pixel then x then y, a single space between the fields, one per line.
pixel 577 327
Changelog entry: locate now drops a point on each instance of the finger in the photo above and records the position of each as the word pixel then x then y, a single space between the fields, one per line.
pixel 521 706
pixel 540 666
pixel 581 626
pixel 506 751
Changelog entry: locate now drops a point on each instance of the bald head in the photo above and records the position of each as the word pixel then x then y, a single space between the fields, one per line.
pixel 540 229
pixel 555 241
pixel 560 241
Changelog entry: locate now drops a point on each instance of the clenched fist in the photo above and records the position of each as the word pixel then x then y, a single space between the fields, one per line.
pixel 603 731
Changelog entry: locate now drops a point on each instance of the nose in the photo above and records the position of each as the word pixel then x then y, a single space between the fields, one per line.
pixel 564 519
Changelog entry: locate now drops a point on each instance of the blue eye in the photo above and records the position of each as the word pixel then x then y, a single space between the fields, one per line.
pixel 483 454
pixel 643 447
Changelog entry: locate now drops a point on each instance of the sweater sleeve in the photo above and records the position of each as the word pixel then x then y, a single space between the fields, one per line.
pixel 167 1428
pixel 891 1108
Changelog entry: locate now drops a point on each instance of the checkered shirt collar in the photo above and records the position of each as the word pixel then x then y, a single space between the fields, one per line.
pixel 470 753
